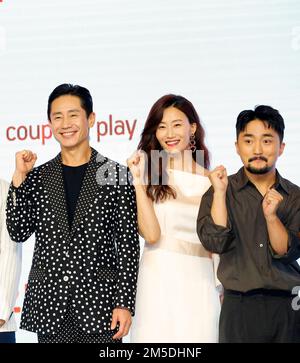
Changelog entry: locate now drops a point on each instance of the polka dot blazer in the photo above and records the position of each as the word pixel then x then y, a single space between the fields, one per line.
pixel 95 263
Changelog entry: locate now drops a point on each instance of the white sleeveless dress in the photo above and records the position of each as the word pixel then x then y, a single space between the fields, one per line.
pixel 177 296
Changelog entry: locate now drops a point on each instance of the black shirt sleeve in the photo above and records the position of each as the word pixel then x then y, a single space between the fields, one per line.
pixel 214 238
pixel 292 228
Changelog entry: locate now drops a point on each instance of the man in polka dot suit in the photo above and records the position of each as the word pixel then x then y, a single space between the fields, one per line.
pixel 82 282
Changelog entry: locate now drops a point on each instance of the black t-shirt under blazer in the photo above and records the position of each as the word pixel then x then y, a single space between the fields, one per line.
pixel 73 178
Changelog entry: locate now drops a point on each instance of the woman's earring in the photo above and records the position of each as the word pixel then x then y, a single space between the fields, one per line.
pixel 192 143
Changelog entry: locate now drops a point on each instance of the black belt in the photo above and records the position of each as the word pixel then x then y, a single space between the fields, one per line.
pixel 255 292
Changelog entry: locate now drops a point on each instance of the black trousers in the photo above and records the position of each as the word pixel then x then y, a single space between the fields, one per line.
pixel 258 318
pixel 70 332
pixel 8 337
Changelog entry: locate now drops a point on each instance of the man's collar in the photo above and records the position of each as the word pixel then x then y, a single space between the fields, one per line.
pixel 241 180
pixel 93 158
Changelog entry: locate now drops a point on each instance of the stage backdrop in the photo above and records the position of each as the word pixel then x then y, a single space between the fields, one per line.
pixel 225 56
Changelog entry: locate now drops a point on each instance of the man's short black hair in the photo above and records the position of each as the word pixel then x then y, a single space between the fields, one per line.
pixel 263 113
pixel 86 100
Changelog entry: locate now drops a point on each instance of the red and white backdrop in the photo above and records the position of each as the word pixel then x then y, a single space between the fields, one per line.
pixel 223 56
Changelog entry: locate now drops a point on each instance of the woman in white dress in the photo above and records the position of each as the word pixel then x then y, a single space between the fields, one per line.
pixel 178 293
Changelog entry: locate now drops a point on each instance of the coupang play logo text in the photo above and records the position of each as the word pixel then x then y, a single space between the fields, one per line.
pixel 107 127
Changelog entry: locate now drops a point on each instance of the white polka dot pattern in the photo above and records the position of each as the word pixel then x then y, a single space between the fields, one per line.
pixel 70 332
pixel 97 261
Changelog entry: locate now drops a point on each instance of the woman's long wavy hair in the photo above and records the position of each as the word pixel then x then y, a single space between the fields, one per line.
pixel 149 141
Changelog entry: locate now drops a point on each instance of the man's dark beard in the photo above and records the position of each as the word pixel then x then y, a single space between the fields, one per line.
pixel 260 171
